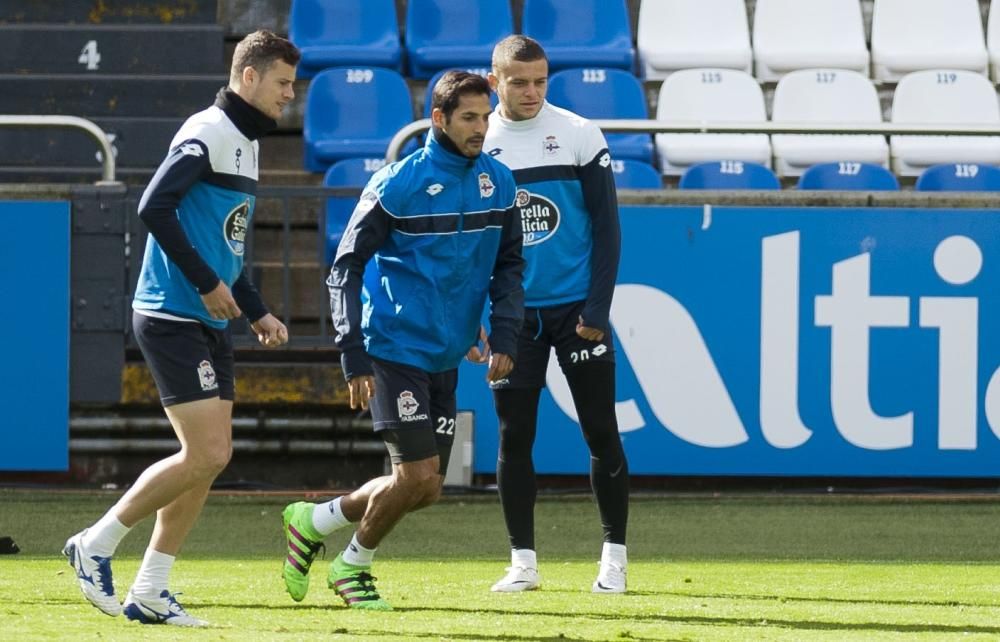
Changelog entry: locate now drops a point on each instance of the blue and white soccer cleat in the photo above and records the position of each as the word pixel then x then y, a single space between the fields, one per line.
pixel 93 573
pixel 164 609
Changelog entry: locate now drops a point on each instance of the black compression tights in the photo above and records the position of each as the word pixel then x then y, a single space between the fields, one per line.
pixel 593 388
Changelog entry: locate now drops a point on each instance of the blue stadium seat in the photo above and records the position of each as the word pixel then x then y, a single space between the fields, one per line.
pixel 353 113
pixel 605 93
pixel 352 172
pixel 581 33
pixel 848 176
pixel 442 34
pixel 729 175
pixel 482 71
pixel 346 32
pixel 633 174
pixel 959 177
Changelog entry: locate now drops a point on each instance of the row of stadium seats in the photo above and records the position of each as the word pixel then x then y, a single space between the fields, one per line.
pixel 906 35
pixel 443 33
pixel 354 112
pixel 717 175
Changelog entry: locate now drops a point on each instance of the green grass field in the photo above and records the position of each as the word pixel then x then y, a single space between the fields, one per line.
pixel 701 568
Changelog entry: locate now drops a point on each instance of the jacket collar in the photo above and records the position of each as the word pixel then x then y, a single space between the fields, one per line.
pixel 251 122
pixel 443 153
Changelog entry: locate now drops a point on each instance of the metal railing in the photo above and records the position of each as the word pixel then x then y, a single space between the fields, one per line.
pixel 740 127
pixel 73 122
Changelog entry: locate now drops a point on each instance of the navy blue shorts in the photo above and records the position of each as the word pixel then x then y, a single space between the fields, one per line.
pixel 189 361
pixel 414 411
pixel 548 328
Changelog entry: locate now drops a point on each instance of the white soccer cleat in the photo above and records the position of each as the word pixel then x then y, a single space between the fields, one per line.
pixel 164 609
pixel 610 579
pixel 518 578
pixel 93 574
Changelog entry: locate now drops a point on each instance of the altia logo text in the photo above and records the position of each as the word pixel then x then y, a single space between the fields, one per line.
pixel 679 378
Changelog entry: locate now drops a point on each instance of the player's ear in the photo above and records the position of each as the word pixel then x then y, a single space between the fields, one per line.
pixel 437 118
pixel 493 80
pixel 249 76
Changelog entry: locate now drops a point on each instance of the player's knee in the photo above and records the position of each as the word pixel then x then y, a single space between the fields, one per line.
pixel 209 460
pixel 432 493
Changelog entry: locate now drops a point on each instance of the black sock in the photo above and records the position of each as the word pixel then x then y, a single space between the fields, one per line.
pixel 593 388
pixel 517 409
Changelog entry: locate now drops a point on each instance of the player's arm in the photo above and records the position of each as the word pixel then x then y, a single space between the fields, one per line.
pixel 184 166
pixel 270 331
pixel 506 287
pixel 366 231
pixel 601 201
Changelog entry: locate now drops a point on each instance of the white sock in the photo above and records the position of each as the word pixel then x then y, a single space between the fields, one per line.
pixel 615 554
pixel 523 558
pixel 328 517
pixel 102 538
pixel 357 555
pixel 153 574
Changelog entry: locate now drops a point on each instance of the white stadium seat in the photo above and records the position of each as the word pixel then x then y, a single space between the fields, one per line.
pixel 993 39
pixel 912 35
pixel 831 96
pixel 944 97
pixel 681 34
pixel 792 34
pixel 711 94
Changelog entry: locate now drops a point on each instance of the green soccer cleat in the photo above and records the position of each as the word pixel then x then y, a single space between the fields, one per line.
pixel 302 543
pixel 355 585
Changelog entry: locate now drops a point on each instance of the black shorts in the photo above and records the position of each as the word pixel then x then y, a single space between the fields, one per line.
pixel 414 411
pixel 547 328
pixel 189 361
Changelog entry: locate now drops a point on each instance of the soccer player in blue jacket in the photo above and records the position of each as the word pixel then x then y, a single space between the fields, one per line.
pixel 569 213
pixel 198 208
pixel 432 237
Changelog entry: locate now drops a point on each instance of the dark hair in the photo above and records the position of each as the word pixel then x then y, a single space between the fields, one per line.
pixel 517 47
pixel 452 86
pixel 259 50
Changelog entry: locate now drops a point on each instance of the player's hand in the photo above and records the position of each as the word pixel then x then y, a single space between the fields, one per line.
pixel 270 332
pixel 590 334
pixel 477 354
pixel 362 389
pixel 500 367
pixel 221 304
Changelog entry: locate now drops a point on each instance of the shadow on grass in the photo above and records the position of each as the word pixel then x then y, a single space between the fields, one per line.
pixel 624 617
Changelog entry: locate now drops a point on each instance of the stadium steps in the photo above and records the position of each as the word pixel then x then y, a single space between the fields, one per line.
pixel 111 11
pixel 111 49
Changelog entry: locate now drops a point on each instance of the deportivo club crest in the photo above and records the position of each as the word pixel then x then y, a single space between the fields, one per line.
pixel 550 145
pixel 235 227
pixel 206 375
pixel 485 185
pixel 539 216
pixel 407 404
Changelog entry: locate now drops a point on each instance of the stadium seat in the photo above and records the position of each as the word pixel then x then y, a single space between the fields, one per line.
pixel 944 97
pixel 680 34
pixel 791 34
pixel 361 33
pixel 633 174
pixel 581 33
pixel 442 34
pixel 959 177
pixel 605 93
pixel 993 40
pixel 848 176
pixel 482 71
pixel 831 96
pixel 913 35
pixel 352 113
pixel 710 95
pixel 729 174
pixel 351 172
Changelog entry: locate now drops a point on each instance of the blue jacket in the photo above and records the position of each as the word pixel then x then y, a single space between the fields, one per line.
pixel 431 237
